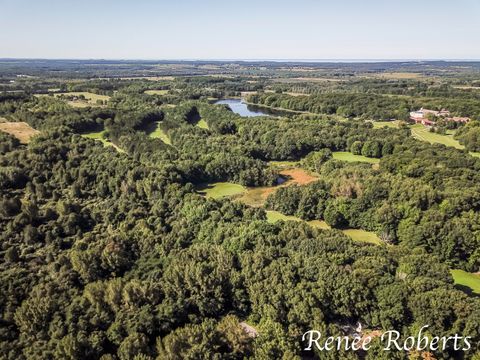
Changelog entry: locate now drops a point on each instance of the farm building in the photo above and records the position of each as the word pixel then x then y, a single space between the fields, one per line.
pixel 422 116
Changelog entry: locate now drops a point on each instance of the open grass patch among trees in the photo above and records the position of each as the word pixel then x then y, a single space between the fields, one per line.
pixel 348 156
pixel 220 190
pixel 159 133
pixel 100 136
pixel 466 279
pixel 423 133
pixel 362 236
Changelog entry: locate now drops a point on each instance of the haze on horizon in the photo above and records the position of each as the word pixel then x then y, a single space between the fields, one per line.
pixel 214 29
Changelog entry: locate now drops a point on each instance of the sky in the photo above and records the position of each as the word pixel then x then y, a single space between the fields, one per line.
pixel 247 29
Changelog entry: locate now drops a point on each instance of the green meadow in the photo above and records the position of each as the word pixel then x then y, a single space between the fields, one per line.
pixel 99 136
pixel 221 189
pixel 357 235
pixel 421 132
pixel 362 236
pixel 381 124
pixel 158 133
pixel 348 156
pixel 469 280
pixel 274 216
pixel 202 124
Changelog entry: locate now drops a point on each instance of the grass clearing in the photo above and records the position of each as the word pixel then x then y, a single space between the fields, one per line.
pixel 356 235
pixel 319 224
pixel 202 124
pixel 98 136
pixel 348 156
pixel 256 197
pixel 156 92
pixel 390 124
pixel 422 133
pixel 466 279
pixel 397 75
pixel 158 133
pixel 298 176
pixel 284 164
pixel 90 97
pixel 21 130
pixel 221 190
pixel 275 216
pixel 360 235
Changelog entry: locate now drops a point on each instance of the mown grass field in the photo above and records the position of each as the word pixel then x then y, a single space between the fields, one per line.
pixel 469 280
pixel 348 156
pixel 158 133
pixel 21 130
pixel 221 189
pixel 421 132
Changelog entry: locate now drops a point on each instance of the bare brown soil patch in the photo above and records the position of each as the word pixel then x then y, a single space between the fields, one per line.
pixel 256 196
pixel 21 130
pixel 298 176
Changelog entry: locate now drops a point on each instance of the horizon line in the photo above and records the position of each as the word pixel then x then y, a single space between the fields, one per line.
pixel 325 60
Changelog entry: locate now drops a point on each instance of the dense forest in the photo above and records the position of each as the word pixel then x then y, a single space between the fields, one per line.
pixel 108 251
pixel 367 106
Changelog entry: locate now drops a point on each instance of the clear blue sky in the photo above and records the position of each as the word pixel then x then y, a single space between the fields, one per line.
pixel 247 29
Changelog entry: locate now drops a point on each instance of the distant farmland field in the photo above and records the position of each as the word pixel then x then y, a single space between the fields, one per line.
pixel 90 98
pixel 156 92
pixel 399 75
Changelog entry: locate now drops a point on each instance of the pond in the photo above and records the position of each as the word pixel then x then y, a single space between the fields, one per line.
pixel 242 109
